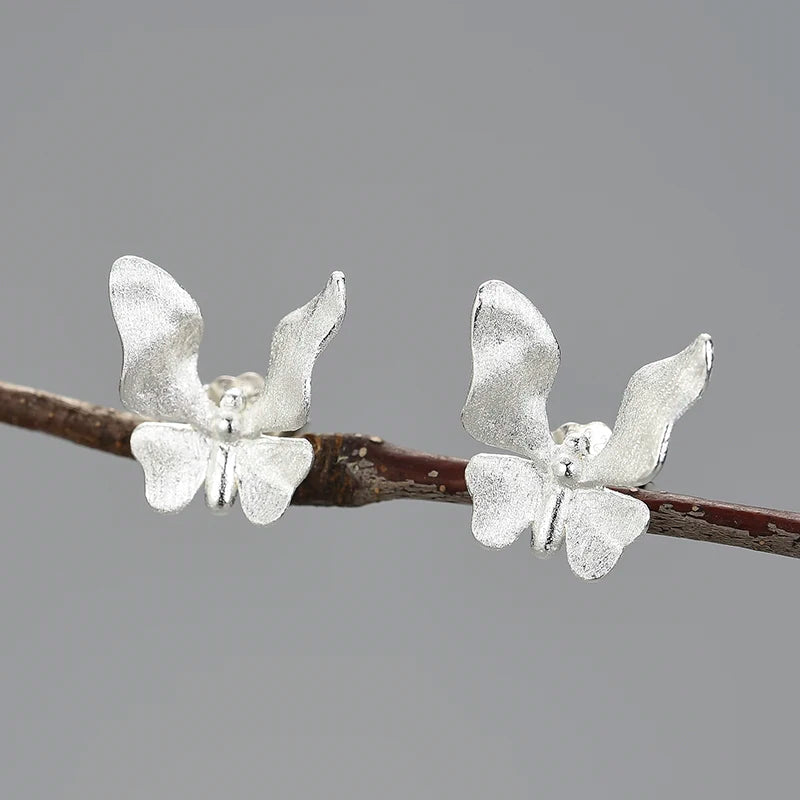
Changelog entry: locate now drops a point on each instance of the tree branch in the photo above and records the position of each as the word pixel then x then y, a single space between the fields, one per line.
pixel 354 470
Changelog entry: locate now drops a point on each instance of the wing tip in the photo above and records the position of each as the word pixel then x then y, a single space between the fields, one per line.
pixel 494 283
pixel 489 544
pixel 128 262
pixel 705 342
pixel 494 289
pixel 497 294
pixel 336 286
pixel 701 349
pixel 337 282
pixel 122 264
pixel 155 504
pixel 591 569
pixel 123 260
pixel 128 269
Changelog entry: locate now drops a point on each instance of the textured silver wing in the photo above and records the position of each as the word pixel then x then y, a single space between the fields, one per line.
pixel 656 396
pixel 174 458
pixel 297 341
pixel 161 328
pixel 515 358
pixel 600 523
pixel 506 497
pixel 269 469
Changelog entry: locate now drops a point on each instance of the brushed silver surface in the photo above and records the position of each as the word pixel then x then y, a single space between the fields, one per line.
pixel 601 524
pixel 298 339
pixel 515 358
pixel 215 434
pixel 161 328
pixel 656 396
pixel 557 488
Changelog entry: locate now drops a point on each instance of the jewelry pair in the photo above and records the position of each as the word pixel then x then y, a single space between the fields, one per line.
pixel 234 435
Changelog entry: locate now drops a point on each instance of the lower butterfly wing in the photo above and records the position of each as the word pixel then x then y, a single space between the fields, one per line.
pixel 174 458
pixel 506 497
pixel 160 327
pixel 515 358
pixel 268 470
pixel 655 397
pixel 600 523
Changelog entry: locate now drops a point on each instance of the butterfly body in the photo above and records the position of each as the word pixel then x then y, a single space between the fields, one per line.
pixel 548 531
pixel 228 438
pixel 221 484
pixel 563 465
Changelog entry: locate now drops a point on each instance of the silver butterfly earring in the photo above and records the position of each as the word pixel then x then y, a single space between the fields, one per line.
pixel 222 434
pixel 557 488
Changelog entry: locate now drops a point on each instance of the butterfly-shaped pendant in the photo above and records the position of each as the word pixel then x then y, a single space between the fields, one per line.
pixel 222 435
pixel 557 487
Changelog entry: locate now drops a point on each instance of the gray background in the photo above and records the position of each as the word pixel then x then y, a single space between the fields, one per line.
pixel 632 167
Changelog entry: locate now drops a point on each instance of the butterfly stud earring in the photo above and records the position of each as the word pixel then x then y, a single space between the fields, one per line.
pixel 556 486
pixel 226 434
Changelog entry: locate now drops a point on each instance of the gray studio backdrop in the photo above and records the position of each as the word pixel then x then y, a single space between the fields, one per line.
pixel 632 167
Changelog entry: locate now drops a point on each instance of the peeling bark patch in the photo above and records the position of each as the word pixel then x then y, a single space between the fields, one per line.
pixel 668 521
pixel 773 528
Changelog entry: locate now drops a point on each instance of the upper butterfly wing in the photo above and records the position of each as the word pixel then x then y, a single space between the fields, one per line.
pixel 297 341
pixel 174 458
pixel 600 523
pixel 655 397
pixel 268 470
pixel 515 358
pixel 161 328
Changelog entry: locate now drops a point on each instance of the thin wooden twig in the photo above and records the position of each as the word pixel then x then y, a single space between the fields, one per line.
pixel 354 470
